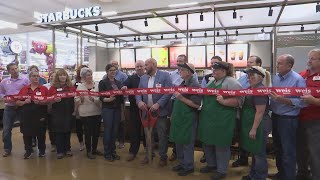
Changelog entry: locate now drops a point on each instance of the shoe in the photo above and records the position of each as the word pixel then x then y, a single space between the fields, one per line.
pixel 98 153
pixel 184 172
pixel 247 177
pixel 69 153
pixel 131 157
pixel 240 162
pixel 6 154
pixel 34 142
pixel 82 146
pixel 115 157
pixel 203 159
pixel 91 156
pixel 60 155
pixel 42 153
pixel 162 163
pixel 207 169
pixel 53 148
pixel 218 176
pixel 275 176
pixel 109 158
pixel 177 168
pixel 28 155
pixel 173 157
pixel 301 176
pixel 144 161
pixel 121 145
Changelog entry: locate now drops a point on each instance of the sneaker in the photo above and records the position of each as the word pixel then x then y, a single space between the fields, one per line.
pixel 207 169
pixel 42 153
pixel 53 148
pixel 91 156
pixel 60 155
pixel 184 172
pixel 218 176
pixel 115 157
pixel 177 168
pixel 6 154
pixel 121 145
pixel 240 162
pixel 28 155
pixel 69 153
pixel 109 158
pixel 81 146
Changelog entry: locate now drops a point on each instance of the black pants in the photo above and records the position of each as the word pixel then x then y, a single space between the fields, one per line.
pixel 51 134
pixel 63 142
pixel 41 142
pixel 135 129
pixel 121 132
pixel 91 131
pixel 79 129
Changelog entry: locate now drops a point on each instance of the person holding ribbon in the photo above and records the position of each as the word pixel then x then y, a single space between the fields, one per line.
pixel 89 108
pixel 184 119
pixel 157 103
pixel 62 109
pixel 216 131
pixel 256 124
pixel 33 114
pixel 111 112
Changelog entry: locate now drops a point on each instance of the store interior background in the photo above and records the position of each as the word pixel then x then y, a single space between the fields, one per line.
pixel 251 26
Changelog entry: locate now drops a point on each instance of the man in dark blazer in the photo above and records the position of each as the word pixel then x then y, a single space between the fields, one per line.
pixel 155 78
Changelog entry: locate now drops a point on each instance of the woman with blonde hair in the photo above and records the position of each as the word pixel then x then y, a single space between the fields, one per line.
pixel 256 124
pixel 61 113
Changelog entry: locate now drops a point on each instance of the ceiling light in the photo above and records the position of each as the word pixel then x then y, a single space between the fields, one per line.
pixel 145 22
pixel 318 7
pixel 234 14
pixel 183 4
pixel 161 36
pixel 121 25
pixel 218 33
pixel 237 32
pixel 302 28
pixel 262 30
pixel 177 19
pixel 205 34
pixel 201 16
pixel 96 27
pixel 270 11
pixel 110 13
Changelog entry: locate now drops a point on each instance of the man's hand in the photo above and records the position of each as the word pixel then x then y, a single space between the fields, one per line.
pixel 27 101
pixel 178 95
pixel 252 133
pixel 57 99
pixel 220 99
pixel 309 99
pixel 124 88
pixel 154 107
pixel 275 96
pixel 142 106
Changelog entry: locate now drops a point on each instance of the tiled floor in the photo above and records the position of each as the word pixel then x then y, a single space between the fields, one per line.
pixel 79 167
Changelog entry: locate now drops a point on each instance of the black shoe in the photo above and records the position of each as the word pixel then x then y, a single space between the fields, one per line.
pixel 300 176
pixel 69 153
pixel 115 157
pixel 60 155
pixel 109 158
pixel 203 159
pixel 177 168
pixel 247 177
pixel 275 176
pixel 42 153
pixel 207 169
pixel 184 172
pixel 240 162
pixel 218 176
pixel 98 153
pixel 91 156
pixel 28 155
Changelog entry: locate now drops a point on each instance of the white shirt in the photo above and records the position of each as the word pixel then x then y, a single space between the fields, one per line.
pixel 150 85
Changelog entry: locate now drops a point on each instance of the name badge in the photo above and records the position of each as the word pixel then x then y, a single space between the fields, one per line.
pixel 59 89
pixel 316 78
pixel 78 84
pixel 38 93
pixel 9 82
pixel 158 85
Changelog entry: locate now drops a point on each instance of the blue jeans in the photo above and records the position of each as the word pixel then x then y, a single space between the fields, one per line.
pixel 161 128
pixel 111 122
pixel 185 152
pixel 217 157
pixel 9 116
pixel 284 130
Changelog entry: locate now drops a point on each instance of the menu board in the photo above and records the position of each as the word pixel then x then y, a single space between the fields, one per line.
pixel 238 54
pixel 174 53
pixel 221 50
pixel 197 56
pixel 161 55
pixel 127 58
pixel 143 54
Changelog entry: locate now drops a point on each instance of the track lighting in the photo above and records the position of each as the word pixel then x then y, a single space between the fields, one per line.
pixel 115 40
pixel 176 36
pixel 205 34
pixel 121 25
pixel 218 33
pixel 139 38
pixel 201 16
pixel 161 36
pixel 190 35
pixel 302 28
pixel 270 11
pixel 318 7
pixel 134 39
pixel 96 27
pixel 147 38
pixel 262 30
pixel 177 19
pixel 145 22
pixel 237 32
pixel 234 14
pixel 67 35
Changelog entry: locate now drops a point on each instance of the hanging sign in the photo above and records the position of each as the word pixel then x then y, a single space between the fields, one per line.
pixel 70 14
pixel 16 47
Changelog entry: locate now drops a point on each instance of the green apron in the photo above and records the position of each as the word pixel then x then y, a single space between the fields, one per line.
pixel 217 122
pixel 181 123
pixel 248 112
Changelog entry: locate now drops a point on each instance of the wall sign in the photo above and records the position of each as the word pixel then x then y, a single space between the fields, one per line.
pixel 16 47
pixel 70 14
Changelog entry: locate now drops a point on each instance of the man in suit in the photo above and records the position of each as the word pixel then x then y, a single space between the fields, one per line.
pixel 154 102
pixel 134 120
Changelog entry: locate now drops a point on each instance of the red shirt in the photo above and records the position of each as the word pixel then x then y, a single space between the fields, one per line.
pixel 39 91
pixel 311 112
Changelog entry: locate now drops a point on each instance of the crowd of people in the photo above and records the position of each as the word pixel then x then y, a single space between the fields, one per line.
pixel 294 121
